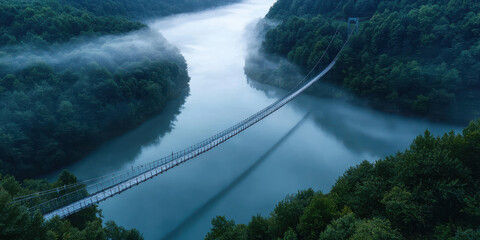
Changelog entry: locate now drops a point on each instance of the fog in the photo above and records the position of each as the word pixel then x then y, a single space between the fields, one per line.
pixel 271 69
pixel 111 51
pixel 75 96
pixel 229 180
pixel 278 71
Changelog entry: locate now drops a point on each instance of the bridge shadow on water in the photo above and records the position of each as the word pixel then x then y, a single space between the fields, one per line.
pixel 197 214
pixel 361 129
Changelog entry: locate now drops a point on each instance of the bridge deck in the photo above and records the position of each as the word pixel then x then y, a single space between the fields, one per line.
pixel 117 185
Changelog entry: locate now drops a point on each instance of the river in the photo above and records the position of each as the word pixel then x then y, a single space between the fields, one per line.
pixel 237 179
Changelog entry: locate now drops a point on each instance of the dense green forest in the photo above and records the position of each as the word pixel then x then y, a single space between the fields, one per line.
pixel 42 22
pixel 46 22
pixel 66 87
pixel 429 191
pixel 142 9
pixel 16 222
pixel 51 117
pixel 412 57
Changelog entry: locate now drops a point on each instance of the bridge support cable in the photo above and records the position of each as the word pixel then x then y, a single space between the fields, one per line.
pixel 320 59
pixel 117 183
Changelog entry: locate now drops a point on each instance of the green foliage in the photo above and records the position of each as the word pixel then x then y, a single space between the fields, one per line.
pixel 140 9
pixel 402 211
pixel 51 117
pixel 341 228
pixel 115 232
pixel 54 114
pixel 468 234
pixel 223 229
pixel 65 178
pixel 290 235
pixel 257 229
pixel 412 57
pixel 16 222
pixel 367 190
pixel 375 229
pixel 287 213
pixel 429 191
pixel 316 217
pixel 44 22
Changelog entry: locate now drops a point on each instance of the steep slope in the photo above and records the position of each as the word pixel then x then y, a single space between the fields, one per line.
pixel 143 9
pixel 429 191
pixel 71 79
pixel 411 57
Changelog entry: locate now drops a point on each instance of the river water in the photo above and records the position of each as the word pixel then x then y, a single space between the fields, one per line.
pixel 237 179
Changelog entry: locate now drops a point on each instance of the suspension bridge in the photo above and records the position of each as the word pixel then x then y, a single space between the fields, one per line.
pixel 73 198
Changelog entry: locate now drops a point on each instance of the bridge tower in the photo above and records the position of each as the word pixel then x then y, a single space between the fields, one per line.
pixel 350 20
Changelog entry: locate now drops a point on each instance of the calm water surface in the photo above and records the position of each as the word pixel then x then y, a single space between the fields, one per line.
pixel 237 179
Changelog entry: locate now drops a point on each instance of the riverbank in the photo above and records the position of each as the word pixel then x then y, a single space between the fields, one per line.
pixel 402 65
pixel 63 93
pixel 337 135
pixel 424 192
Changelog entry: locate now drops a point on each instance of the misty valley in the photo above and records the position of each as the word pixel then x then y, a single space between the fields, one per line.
pixel 239 119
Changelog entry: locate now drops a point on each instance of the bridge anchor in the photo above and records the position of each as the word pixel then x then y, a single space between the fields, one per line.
pixel 350 20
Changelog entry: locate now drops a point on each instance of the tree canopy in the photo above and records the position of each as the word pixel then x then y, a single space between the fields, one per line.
pixel 429 191
pixel 16 222
pixel 55 21
pixel 46 22
pixel 58 104
pixel 142 9
pixel 52 116
pixel 410 57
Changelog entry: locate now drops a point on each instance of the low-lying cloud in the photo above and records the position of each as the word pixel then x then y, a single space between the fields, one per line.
pixel 107 51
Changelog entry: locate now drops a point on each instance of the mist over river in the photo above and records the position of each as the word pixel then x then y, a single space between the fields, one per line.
pixel 237 179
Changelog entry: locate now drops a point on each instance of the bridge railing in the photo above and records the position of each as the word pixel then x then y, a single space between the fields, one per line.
pixel 176 158
pixel 120 177
pixel 188 153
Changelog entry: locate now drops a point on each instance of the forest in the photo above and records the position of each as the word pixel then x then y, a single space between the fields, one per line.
pixel 144 9
pixel 74 74
pixel 71 79
pixel 46 22
pixel 410 57
pixel 51 117
pixel 16 222
pixel 429 191
pixel 54 21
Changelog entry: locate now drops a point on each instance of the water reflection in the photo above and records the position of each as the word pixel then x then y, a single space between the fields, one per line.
pixel 362 130
pixel 195 216
pixel 336 136
pixel 122 151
